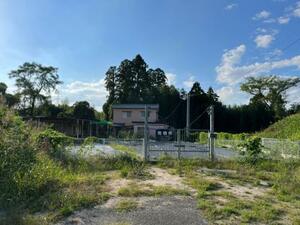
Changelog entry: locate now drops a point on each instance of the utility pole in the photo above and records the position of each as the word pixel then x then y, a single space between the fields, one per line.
pixel 146 134
pixel 188 103
pixel 211 133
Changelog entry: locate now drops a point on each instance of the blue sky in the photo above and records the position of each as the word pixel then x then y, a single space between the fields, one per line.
pixel 215 42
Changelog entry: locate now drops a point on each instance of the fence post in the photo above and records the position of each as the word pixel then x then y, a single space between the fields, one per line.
pixel 211 134
pixel 179 150
pixel 145 142
pixel 179 144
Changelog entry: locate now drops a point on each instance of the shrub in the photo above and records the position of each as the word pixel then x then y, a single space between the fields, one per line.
pixel 17 156
pixel 252 150
pixel 203 137
pixel 25 171
pixel 54 143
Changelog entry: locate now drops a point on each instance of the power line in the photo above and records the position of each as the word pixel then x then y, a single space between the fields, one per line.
pixel 291 44
pixel 198 117
pixel 173 111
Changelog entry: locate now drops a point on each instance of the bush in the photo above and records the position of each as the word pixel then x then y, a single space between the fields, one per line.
pixel 26 172
pixel 54 143
pixel 17 156
pixel 252 150
pixel 203 137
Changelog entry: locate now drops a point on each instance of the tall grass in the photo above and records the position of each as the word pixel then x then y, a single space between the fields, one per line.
pixel 287 128
pixel 38 173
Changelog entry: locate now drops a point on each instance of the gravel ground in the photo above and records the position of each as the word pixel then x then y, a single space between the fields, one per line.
pixel 174 210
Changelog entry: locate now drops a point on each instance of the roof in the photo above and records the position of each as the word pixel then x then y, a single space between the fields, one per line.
pixel 135 106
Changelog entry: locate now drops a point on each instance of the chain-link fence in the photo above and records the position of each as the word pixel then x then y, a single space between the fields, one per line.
pixel 281 148
pixel 177 143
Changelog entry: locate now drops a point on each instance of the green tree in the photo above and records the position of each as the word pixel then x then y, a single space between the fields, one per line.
pixel 212 96
pixel 83 110
pixel 270 90
pixel 132 82
pixel 35 83
pixel 3 88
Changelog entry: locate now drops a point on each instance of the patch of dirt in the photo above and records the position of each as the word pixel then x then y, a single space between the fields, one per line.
pixel 246 192
pixel 161 178
pixel 115 184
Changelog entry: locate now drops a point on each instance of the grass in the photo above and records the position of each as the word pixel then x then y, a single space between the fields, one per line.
pixel 125 149
pixel 287 128
pixel 137 170
pixel 126 205
pixel 219 205
pixel 69 190
pixel 135 190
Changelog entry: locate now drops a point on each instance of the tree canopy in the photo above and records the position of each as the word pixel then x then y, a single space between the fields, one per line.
pixel 35 83
pixel 271 91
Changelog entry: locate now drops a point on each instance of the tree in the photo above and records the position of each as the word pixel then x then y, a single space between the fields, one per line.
pixel 132 82
pixel 83 110
pixel 196 89
pixel 212 96
pixel 270 90
pixel 3 88
pixel 35 83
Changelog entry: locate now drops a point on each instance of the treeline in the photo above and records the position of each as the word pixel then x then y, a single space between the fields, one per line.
pixel 35 83
pixel 134 82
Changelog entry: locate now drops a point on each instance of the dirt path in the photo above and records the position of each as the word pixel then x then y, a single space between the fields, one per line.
pixel 174 210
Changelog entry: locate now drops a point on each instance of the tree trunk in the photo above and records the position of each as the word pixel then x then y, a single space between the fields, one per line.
pixel 32 107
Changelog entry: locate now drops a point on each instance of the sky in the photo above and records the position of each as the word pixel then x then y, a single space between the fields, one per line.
pixel 215 42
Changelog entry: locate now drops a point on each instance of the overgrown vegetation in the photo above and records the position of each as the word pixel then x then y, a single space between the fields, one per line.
pixel 287 128
pixel 39 172
pixel 279 179
pixel 134 190
pixel 126 205
pixel 252 150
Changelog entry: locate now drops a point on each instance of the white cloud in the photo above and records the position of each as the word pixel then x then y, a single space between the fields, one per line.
pixel 270 20
pixel 231 6
pixel 261 30
pixel 232 95
pixel 293 95
pixel 93 92
pixel 226 70
pixel 262 15
pixel 229 73
pixel 264 41
pixel 189 82
pixel 296 11
pixel 283 20
pixel 171 78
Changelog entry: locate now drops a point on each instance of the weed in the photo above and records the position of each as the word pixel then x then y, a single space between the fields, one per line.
pixel 126 205
pixel 134 190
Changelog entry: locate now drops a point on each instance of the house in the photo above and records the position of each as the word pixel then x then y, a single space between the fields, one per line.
pixel 132 117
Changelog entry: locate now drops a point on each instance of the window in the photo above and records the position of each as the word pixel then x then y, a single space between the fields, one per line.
pixel 143 114
pixel 126 114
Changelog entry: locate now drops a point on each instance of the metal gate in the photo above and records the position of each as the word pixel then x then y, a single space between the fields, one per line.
pixel 180 143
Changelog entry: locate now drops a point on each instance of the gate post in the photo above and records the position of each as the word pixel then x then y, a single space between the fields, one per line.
pixel 211 134
pixel 145 141
pixel 179 144
pixel 179 150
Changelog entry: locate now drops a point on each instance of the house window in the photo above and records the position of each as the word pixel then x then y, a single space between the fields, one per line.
pixel 126 114
pixel 143 114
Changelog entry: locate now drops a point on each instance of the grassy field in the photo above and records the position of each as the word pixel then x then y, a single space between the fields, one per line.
pixel 287 128
pixel 230 192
